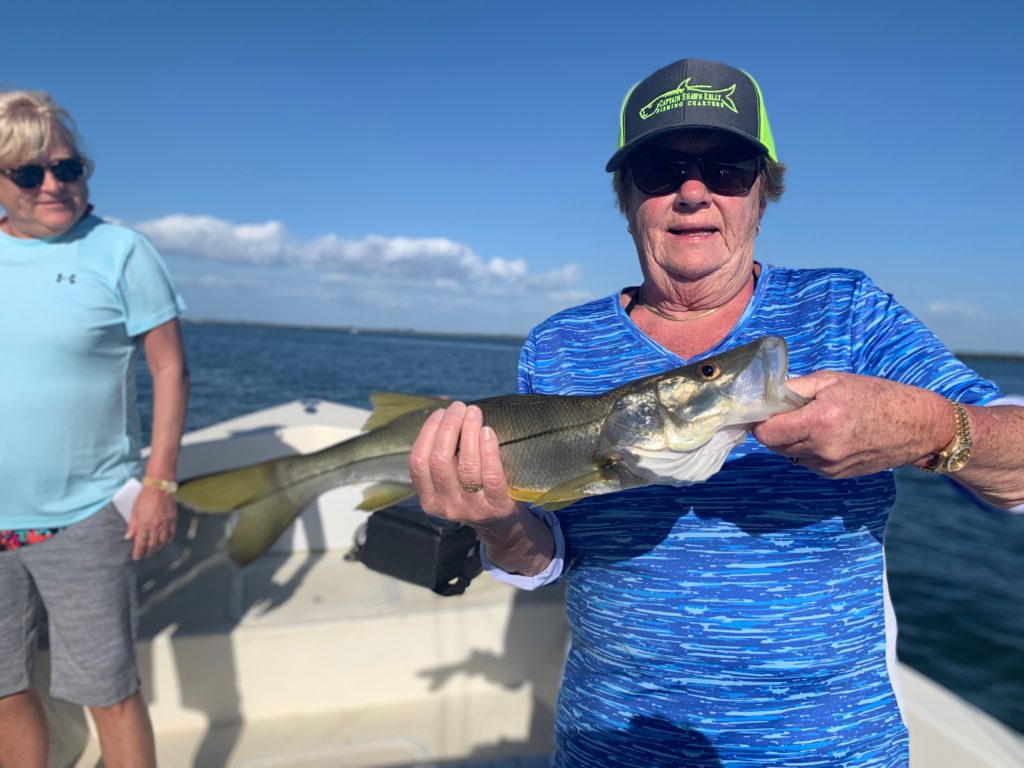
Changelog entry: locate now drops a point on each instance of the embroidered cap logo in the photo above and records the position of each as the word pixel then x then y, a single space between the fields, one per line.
pixel 686 95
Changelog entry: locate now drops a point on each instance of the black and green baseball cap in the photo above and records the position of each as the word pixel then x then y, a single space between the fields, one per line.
pixel 693 93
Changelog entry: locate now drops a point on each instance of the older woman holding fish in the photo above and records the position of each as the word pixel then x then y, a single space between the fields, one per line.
pixel 79 299
pixel 743 620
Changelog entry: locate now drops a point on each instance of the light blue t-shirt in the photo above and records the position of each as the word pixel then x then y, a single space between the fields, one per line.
pixel 73 309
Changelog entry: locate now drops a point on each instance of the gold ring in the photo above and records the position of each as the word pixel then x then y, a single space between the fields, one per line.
pixel 145 536
pixel 471 487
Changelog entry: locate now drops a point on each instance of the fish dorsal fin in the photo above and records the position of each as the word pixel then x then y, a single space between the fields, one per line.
pixel 388 406
pixel 381 495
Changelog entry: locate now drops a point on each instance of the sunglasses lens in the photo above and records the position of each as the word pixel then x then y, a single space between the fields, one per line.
pixel 731 171
pixel 28 176
pixel 70 169
pixel 658 172
pixel 724 171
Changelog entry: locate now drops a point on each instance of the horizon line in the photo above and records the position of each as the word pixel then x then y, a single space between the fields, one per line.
pixel 472 334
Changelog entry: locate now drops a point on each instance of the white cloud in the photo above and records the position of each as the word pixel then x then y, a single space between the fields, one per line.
pixel 569 298
pixel 403 262
pixel 211 280
pixel 954 309
pixel 207 237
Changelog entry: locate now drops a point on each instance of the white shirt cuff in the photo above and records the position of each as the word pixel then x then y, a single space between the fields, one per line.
pixel 1008 400
pixel 549 575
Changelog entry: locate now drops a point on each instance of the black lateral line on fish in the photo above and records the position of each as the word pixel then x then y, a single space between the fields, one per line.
pixel 535 435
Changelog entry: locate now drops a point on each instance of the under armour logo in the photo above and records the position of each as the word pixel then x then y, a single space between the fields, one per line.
pixel 61 277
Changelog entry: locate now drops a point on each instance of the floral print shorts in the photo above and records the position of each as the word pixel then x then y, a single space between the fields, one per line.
pixel 12 539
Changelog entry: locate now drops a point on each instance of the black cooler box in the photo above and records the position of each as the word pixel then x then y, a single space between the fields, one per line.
pixel 405 542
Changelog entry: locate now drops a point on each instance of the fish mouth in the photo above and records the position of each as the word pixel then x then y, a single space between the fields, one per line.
pixel 760 388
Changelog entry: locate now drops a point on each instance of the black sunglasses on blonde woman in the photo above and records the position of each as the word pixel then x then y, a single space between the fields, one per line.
pixel 31 176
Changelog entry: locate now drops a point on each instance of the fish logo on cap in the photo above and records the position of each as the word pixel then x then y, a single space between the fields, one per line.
pixel 686 95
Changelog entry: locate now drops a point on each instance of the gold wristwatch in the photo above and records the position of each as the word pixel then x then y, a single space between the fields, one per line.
pixel 954 456
pixel 167 486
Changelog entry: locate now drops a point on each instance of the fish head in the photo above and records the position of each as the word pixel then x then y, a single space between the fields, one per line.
pixel 678 427
pixel 742 386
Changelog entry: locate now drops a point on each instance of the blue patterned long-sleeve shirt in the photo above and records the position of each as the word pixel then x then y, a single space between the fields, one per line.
pixel 742 622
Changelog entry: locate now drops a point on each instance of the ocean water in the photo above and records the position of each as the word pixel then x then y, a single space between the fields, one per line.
pixel 955 569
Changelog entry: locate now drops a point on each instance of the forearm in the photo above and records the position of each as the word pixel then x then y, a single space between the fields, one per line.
pixel 170 402
pixel 995 472
pixel 856 425
pixel 521 544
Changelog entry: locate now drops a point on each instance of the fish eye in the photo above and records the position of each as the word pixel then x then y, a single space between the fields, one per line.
pixel 708 372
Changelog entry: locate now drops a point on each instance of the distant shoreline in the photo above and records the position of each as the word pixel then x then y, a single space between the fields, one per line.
pixel 352 329
pixel 508 337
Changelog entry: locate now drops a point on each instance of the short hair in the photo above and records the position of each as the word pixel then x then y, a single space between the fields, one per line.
pixel 31 122
pixel 772 182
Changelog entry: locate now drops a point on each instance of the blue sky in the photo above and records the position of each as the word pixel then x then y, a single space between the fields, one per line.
pixel 438 166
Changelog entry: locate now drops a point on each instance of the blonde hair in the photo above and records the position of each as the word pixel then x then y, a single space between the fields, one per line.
pixel 31 122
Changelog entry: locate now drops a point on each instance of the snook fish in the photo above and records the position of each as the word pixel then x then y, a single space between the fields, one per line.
pixel 673 428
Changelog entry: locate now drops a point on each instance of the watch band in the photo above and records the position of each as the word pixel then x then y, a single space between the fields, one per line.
pixel 167 486
pixel 955 456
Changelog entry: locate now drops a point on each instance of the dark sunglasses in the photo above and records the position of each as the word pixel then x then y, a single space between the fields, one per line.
pixel 724 171
pixel 31 176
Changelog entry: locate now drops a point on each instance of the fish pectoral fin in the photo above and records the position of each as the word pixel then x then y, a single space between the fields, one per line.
pixel 533 496
pixel 388 406
pixel 607 479
pixel 381 495
pixel 529 495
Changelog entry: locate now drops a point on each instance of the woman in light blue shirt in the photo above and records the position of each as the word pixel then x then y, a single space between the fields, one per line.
pixel 79 299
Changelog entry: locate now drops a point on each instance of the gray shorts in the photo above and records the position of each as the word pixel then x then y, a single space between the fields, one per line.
pixel 85 578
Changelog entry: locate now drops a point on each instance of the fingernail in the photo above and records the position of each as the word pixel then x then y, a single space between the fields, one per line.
pixel 487 434
pixel 436 415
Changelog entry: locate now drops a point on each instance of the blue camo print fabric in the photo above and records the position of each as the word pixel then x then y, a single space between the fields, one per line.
pixel 739 622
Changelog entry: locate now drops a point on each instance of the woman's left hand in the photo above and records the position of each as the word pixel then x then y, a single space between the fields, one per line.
pixel 856 425
pixel 153 521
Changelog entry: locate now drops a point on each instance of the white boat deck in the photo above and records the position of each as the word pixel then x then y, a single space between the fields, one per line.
pixel 304 659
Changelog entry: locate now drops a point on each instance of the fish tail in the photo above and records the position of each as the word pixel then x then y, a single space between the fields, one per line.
pixel 267 496
pixel 227 491
pixel 262 521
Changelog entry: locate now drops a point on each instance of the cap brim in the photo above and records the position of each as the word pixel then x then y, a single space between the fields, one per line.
pixel 620 156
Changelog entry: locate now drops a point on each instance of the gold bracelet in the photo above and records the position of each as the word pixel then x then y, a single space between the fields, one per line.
pixel 167 486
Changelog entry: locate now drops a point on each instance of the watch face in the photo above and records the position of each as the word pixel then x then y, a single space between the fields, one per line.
pixel 958 459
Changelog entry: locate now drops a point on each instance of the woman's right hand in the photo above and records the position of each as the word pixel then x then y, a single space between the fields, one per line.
pixel 455 468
